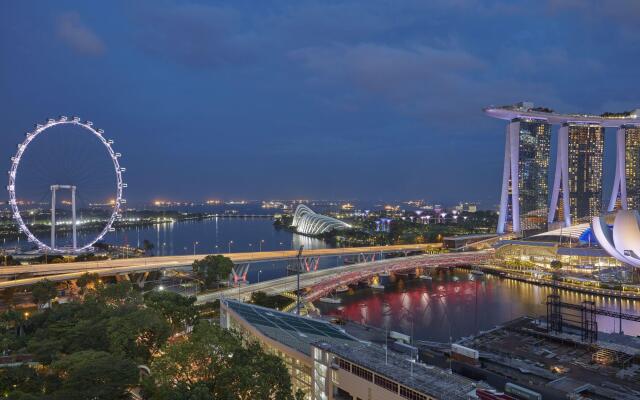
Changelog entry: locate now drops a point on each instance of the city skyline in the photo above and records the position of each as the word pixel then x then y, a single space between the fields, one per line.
pixel 330 115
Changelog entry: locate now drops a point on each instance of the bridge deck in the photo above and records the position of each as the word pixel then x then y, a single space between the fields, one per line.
pixel 28 274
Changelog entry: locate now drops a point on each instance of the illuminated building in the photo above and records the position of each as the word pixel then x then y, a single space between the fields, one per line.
pixel 307 222
pixel 525 189
pixel 626 186
pixel 326 363
pixel 578 177
pixel 576 195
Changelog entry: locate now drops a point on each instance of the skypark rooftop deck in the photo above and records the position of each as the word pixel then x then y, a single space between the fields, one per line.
pixel 527 111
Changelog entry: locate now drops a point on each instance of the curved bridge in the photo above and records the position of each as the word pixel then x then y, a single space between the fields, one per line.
pixel 324 287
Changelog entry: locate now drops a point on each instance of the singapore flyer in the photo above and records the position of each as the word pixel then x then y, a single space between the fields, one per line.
pixel 65 186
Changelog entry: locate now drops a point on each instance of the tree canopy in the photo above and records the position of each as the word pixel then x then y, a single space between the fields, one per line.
pixel 212 269
pixel 216 363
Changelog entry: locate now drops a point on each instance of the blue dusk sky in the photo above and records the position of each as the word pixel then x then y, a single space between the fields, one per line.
pixel 361 99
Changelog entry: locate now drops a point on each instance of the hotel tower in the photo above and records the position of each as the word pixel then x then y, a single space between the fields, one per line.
pixel 576 194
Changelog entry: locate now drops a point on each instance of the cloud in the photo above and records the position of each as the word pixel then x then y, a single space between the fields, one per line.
pixel 198 36
pixel 431 84
pixel 79 37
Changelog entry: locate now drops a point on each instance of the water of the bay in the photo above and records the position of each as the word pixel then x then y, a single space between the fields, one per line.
pixel 456 303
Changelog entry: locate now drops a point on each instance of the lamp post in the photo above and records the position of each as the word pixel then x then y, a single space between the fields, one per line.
pixel 194 247
pixel 230 243
pixel 259 272
pixel 261 242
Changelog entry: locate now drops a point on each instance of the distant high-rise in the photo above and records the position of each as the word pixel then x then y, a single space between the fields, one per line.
pixel 523 205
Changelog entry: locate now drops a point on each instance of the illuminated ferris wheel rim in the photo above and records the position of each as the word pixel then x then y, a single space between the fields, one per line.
pixel 15 163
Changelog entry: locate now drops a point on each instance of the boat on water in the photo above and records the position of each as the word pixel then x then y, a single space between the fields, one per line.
pixel 376 286
pixel 477 272
pixel 426 277
pixel 331 300
pixel 342 289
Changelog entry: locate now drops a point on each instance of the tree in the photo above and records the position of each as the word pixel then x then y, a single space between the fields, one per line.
pixel 86 280
pixel 178 310
pixel 138 335
pixel 216 363
pixel 93 375
pixel 148 247
pixel 44 291
pixel 8 295
pixel 212 269
pixel 118 294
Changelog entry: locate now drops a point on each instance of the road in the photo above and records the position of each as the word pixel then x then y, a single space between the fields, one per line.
pixel 23 275
pixel 322 281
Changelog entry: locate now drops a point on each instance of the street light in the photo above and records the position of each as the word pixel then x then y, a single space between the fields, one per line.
pixel 194 247
pixel 259 272
pixel 261 242
pixel 230 243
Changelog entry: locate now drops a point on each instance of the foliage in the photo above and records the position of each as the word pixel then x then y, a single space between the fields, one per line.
pixel 215 363
pixel 93 375
pixel 7 296
pixel 138 335
pixel 148 247
pixel 178 310
pixel 87 280
pixel 44 291
pixel 556 265
pixel 212 269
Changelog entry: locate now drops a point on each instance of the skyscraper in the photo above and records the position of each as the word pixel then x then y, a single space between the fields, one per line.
pixel 626 186
pixel 524 187
pixel 632 166
pixel 578 180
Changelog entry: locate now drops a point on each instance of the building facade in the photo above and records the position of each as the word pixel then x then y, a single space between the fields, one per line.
pixel 626 186
pixel 525 190
pixel 576 194
pixel 586 150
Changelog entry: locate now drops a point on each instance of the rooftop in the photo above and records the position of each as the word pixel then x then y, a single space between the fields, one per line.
pixel 528 111
pixel 289 329
pixel 426 379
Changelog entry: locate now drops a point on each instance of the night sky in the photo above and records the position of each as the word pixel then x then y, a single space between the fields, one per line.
pixel 370 99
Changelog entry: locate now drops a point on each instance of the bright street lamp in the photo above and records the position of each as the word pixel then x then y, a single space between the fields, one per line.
pixel 194 247
pixel 261 242
pixel 259 272
pixel 230 243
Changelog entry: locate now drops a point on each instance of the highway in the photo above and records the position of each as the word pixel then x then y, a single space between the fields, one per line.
pixel 323 281
pixel 24 275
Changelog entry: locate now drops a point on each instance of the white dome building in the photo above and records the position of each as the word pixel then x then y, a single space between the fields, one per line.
pixel 622 239
pixel 307 222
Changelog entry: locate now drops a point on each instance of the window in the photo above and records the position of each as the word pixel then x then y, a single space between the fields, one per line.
pixel 362 373
pixel 412 394
pixel 343 364
pixel 386 383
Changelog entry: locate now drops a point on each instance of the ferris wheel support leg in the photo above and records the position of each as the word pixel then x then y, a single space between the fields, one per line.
pixel 53 217
pixel 73 217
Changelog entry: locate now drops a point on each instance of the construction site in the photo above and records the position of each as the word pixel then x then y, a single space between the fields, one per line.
pixel 558 356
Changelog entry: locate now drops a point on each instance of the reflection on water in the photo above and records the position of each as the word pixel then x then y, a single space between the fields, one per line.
pixel 446 306
pixel 216 235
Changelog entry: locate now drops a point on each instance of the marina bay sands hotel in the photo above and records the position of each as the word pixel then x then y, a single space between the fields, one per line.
pixel 576 193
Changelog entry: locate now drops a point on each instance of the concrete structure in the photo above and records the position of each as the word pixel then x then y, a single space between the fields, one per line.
pixel 523 200
pixel 307 222
pixel 577 189
pixel 326 363
pixel 626 185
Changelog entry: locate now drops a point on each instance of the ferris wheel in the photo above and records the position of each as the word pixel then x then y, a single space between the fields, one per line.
pixel 69 184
